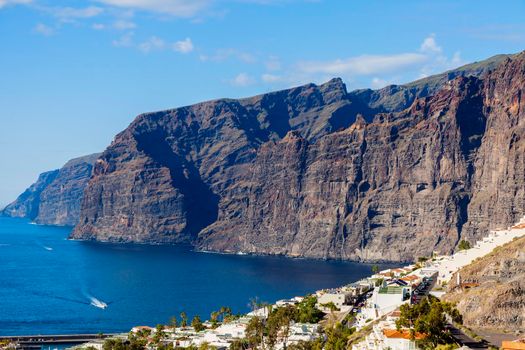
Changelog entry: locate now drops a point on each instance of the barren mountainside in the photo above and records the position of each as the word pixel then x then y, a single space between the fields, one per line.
pixel 496 298
pixel 319 172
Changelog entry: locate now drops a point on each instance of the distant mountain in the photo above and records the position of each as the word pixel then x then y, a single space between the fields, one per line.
pixel 54 199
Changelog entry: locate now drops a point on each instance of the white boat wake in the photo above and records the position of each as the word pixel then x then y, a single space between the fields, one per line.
pixel 48 248
pixel 98 303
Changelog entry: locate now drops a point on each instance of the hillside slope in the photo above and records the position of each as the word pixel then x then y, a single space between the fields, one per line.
pixel 496 298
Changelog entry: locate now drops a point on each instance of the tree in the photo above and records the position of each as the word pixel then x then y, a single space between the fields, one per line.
pixel 196 323
pixel 307 312
pixel 429 317
pixel 255 333
pixel 278 325
pixel 464 245
pixel 183 319
pixel 159 333
pixel 173 321
pixel 337 337
pixel 375 269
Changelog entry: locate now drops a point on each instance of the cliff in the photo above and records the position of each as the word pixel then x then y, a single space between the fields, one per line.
pixel 26 205
pixel 55 198
pixel 318 172
pixel 496 297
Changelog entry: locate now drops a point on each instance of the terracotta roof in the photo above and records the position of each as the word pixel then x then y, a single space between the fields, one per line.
pixel 402 334
pixel 409 278
pixel 513 345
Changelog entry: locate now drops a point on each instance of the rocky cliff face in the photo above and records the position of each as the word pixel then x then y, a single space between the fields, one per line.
pixel 315 171
pixel 26 205
pixel 55 198
pixel 496 298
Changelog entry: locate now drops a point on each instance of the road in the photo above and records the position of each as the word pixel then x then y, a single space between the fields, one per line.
pixel 464 339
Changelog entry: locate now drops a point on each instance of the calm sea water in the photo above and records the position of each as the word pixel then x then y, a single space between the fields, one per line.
pixel 47 283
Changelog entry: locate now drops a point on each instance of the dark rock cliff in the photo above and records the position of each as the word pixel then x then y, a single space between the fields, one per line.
pixel 315 171
pixel 55 198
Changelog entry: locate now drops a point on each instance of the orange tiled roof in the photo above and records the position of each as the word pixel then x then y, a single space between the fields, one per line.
pixel 513 345
pixel 409 278
pixel 402 334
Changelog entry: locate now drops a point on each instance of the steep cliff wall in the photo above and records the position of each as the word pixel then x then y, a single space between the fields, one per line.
pixel 26 205
pixel 300 172
pixel 54 199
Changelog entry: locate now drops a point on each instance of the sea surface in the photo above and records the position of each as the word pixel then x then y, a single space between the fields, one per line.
pixel 51 285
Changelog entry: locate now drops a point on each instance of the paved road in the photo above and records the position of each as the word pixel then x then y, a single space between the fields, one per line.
pixel 464 339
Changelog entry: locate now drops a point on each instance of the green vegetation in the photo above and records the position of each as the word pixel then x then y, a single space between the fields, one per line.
pixel 224 314
pixel 265 335
pixel 375 269
pixel 429 318
pixel 307 312
pixel 464 245
pixel 159 334
pixel 183 319
pixel 133 343
pixel 330 306
pixel 196 323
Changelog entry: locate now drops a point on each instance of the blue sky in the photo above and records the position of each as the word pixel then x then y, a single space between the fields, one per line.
pixel 75 73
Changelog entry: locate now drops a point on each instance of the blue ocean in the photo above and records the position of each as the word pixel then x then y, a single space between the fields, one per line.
pixel 51 285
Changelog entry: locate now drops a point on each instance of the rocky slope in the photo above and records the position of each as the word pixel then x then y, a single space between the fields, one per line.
pixel 316 171
pixel 55 198
pixel 496 298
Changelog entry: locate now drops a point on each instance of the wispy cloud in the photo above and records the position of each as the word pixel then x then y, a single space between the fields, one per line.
pixel 125 40
pixel 179 8
pixel 67 14
pixel 183 46
pixel 43 29
pixel 122 24
pixel 153 43
pixel 229 53
pixel 363 65
pixel 4 3
pixel 242 79
pixel 379 70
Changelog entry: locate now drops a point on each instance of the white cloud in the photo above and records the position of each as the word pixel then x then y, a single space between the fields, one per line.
pixel 363 65
pixel 125 40
pixel 123 25
pixel 179 8
pixel 98 26
pixel 369 70
pixel 71 13
pixel 4 3
pixel 429 45
pixel 183 46
pixel 242 79
pixel 225 54
pixel 270 78
pixel 44 29
pixel 153 43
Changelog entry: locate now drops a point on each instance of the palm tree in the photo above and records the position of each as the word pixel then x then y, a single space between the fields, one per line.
pixel 183 319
